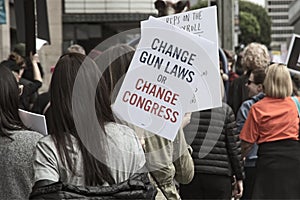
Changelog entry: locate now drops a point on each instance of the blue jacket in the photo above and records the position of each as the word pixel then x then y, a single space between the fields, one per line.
pixel 240 121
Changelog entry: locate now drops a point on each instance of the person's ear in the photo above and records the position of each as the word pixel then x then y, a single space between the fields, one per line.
pixel 260 87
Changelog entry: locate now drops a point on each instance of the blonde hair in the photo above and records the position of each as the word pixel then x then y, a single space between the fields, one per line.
pixel 255 55
pixel 278 82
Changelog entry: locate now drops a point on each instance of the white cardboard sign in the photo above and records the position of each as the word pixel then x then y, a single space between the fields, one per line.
pixel 202 22
pixel 203 64
pixel 34 121
pixel 164 76
pixel 293 57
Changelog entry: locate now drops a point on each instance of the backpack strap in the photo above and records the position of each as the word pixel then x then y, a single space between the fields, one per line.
pixel 295 99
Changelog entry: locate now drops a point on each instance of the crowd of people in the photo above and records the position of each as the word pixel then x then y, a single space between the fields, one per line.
pixel 234 151
pixel 248 148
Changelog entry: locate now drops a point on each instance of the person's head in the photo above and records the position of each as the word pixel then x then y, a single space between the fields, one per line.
pixel 76 48
pixel 278 82
pixel 230 55
pixel 16 61
pixel 115 62
pixel 18 54
pixel 16 69
pixel 169 7
pixel 9 103
pixel 296 84
pixel 20 49
pixel 255 81
pixel 255 55
pixel 62 114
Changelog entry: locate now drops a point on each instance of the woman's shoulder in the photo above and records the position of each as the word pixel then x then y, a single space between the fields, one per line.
pixel 46 141
pixel 264 102
pixel 115 128
pixel 121 134
pixel 32 136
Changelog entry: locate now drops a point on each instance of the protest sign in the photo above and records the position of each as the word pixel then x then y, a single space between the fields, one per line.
pixel 150 104
pixel 293 58
pixel 39 43
pixel 164 75
pixel 202 22
pixel 203 63
pixel 34 121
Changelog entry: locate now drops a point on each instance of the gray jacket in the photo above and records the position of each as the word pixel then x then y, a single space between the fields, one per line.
pixel 16 158
pixel 126 157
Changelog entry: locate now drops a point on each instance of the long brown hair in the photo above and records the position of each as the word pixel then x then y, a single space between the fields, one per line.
pixel 9 103
pixel 115 62
pixel 62 124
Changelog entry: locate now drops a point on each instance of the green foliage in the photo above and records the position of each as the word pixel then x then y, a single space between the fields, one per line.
pixel 263 20
pixel 250 29
pixel 255 26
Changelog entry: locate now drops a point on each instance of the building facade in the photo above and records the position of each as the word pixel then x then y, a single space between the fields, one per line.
pixel 281 29
pixel 294 16
pixel 89 22
pixel 85 22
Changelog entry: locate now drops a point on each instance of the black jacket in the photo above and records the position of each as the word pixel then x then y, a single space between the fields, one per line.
pixel 216 146
pixel 238 92
pixel 137 186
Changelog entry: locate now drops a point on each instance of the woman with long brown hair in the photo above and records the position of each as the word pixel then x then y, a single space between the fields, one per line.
pixel 75 152
pixel 17 143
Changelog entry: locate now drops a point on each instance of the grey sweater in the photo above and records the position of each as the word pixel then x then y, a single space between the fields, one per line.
pixel 16 164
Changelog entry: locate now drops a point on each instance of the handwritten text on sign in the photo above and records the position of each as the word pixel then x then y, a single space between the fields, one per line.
pixel 202 22
pixel 189 21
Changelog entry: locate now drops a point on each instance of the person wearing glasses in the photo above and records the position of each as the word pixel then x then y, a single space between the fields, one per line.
pixel 255 88
pixel 255 55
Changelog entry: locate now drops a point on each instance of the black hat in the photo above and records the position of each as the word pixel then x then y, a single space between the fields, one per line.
pixel 20 49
